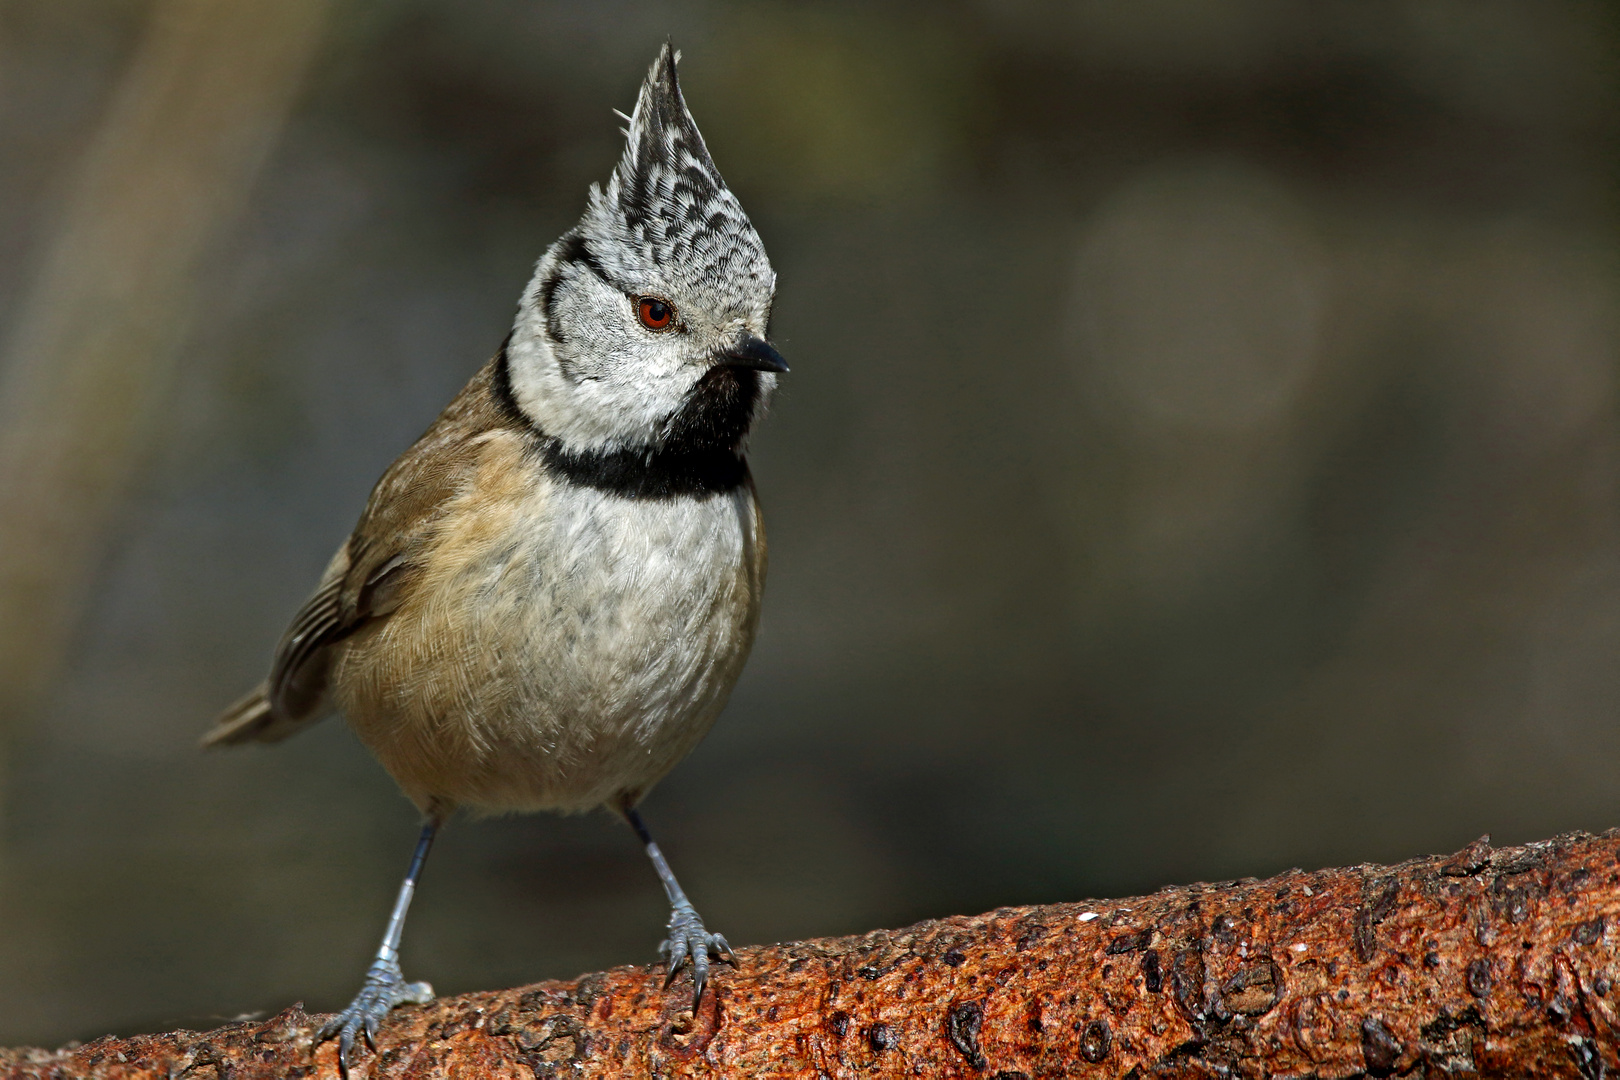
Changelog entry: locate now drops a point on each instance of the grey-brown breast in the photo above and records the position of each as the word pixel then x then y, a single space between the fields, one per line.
pixel 561 645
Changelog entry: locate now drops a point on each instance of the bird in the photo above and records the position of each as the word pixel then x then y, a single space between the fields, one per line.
pixel 549 596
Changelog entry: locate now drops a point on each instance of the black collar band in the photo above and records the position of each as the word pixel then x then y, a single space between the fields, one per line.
pixel 643 474
pixel 699 457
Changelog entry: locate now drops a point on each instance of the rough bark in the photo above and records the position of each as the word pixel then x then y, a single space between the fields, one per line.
pixel 1484 963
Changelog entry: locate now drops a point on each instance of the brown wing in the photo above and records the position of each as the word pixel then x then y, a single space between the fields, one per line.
pixel 371 571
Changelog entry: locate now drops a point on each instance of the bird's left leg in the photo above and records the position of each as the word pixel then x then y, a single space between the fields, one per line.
pixel 688 938
pixel 385 984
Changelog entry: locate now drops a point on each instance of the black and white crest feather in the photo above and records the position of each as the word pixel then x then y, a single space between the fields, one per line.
pixel 667 202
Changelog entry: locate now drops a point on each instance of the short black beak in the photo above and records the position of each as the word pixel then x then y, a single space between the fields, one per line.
pixel 752 352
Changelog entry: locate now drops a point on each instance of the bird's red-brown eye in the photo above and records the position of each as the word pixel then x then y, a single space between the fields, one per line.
pixel 655 314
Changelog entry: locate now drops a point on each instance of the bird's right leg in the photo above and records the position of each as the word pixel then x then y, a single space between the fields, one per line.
pixel 689 939
pixel 385 984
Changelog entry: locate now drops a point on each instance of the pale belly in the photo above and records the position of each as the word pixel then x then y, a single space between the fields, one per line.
pixel 565 649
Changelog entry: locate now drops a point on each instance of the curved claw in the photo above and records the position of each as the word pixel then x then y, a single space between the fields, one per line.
pixel 384 988
pixel 345 1044
pixel 678 950
pixel 700 977
pixel 690 942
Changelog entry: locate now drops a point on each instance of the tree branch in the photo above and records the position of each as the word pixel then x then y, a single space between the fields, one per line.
pixel 1487 963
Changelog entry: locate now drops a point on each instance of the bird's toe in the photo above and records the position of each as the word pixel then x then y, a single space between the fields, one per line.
pixel 689 942
pixel 384 988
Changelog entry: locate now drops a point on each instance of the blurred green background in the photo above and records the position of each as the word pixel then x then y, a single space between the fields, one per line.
pixel 1200 458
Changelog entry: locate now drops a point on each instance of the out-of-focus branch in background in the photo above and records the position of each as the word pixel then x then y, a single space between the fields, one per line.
pixel 87 366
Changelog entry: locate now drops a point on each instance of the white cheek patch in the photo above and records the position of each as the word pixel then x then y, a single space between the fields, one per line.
pixel 587 328
pixel 606 384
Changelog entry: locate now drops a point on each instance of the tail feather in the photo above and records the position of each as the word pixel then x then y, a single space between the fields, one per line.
pixel 253 719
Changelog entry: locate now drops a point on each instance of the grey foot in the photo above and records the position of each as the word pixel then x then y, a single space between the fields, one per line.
pixel 690 940
pixel 385 987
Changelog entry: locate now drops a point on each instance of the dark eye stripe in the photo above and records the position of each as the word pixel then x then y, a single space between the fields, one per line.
pixel 577 252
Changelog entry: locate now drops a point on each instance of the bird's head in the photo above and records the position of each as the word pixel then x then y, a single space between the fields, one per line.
pixel 646 322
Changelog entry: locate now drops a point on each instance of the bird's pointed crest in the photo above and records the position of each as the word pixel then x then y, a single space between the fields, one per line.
pixel 667 198
pixel 664 155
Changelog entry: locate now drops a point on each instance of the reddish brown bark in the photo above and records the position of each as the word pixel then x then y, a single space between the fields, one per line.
pixel 1486 963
